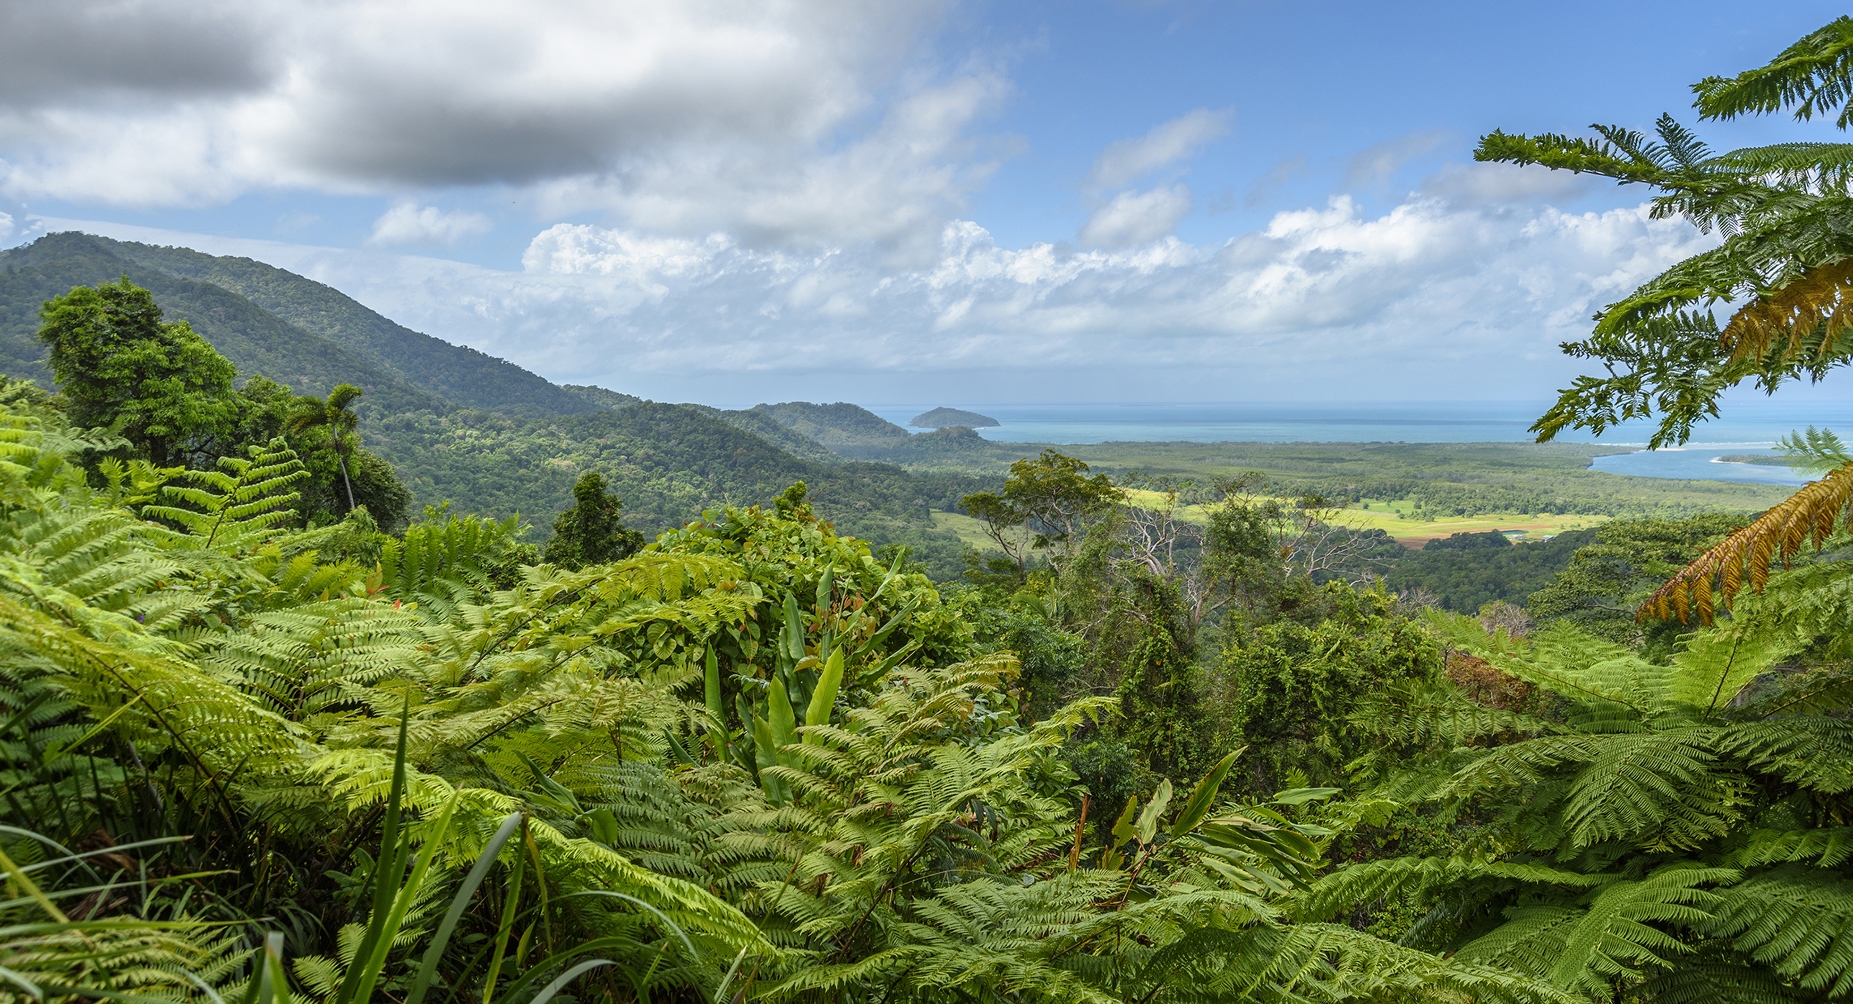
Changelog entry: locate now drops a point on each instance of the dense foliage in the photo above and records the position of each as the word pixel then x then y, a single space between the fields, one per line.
pixel 336 765
pixel 1466 571
pixel 1169 741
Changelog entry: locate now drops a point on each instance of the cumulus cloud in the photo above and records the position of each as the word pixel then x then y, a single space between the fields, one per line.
pixel 1438 294
pixel 1128 160
pixel 816 121
pixel 1137 217
pixel 410 223
pixel 1450 292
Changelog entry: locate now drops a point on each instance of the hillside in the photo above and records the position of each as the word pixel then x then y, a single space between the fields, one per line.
pixel 253 338
pixel 667 462
pixel 836 425
pixel 464 427
pixel 266 320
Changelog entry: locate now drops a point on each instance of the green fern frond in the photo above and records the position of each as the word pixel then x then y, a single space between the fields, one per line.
pixel 1613 937
pixel 1419 877
pixel 233 509
pixel 1795 920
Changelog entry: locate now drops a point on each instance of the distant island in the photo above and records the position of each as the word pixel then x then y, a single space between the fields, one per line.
pixel 940 418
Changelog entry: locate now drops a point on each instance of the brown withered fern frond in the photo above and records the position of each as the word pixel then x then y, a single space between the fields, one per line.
pixel 1805 318
pixel 1806 517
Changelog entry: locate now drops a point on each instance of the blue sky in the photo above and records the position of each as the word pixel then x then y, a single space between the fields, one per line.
pixel 900 201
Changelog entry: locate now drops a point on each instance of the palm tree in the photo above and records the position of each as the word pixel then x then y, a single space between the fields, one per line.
pixel 337 414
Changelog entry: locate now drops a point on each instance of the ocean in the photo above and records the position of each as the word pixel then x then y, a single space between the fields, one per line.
pixel 1749 425
pixel 1754 422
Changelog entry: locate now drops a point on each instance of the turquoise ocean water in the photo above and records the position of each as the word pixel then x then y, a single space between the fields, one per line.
pixel 1747 426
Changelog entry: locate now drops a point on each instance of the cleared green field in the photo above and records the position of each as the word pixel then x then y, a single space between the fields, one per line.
pixel 969 530
pixel 1402 521
pixel 1394 519
pixel 1415 492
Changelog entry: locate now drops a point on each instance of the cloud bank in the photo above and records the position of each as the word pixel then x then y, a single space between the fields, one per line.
pixel 801 123
pixel 1456 291
pixel 773 200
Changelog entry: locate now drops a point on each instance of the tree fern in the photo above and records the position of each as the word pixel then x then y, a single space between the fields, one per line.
pixel 1808 517
pixel 1795 921
pixel 233 509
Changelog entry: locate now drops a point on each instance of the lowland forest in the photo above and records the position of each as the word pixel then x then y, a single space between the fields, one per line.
pixel 341 664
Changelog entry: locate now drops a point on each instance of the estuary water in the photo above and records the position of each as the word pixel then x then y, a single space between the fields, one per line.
pixel 1242 423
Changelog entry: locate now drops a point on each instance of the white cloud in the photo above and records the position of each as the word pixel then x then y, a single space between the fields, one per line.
pixel 1128 160
pixel 410 223
pixel 810 122
pixel 1137 217
pixel 1442 296
pixel 1433 296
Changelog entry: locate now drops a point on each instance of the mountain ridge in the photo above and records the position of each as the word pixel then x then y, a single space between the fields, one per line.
pixel 466 427
pixel 368 343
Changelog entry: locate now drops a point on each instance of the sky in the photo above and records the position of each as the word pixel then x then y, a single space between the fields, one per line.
pixel 735 201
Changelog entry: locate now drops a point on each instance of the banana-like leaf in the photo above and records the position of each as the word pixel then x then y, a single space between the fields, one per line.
pixel 1203 796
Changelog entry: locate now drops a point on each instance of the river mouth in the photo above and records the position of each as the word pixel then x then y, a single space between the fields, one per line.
pixel 1726 462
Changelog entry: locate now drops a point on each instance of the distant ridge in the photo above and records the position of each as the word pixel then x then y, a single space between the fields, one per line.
pixel 940 418
pixel 836 425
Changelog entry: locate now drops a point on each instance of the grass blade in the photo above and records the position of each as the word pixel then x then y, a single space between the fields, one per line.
pixel 386 873
pixel 547 992
pixel 673 926
pixel 484 861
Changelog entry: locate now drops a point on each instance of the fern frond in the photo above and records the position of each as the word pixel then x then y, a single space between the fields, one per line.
pixel 1809 516
pixel 1613 937
pixel 235 508
pixel 1811 77
pixel 1798 921
pixel 1816 451
pixel 1814 752
pixel 1419 877
pixel 1823 848
pixel 1805 317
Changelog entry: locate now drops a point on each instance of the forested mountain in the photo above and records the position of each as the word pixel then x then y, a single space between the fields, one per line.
pixel 835 425
pixel 458 424
pixel 294 330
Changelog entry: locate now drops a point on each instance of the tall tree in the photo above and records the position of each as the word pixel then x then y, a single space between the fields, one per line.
pixel 158 384
pixel 1050 500
pixel 592 531
pixel 336 414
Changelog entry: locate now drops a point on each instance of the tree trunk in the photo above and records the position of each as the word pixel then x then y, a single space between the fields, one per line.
pixel 344 481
